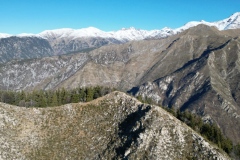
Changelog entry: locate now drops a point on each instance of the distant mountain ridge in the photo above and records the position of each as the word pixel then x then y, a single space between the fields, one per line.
pixel 67 40
pixel 125 35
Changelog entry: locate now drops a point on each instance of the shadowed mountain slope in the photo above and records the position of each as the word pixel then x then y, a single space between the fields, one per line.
pixel 19 48
pixel 207 82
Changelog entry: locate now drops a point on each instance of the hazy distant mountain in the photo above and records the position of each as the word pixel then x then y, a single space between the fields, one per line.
pixel 115 126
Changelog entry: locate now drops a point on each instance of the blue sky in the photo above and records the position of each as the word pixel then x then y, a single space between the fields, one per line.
pixel 34 16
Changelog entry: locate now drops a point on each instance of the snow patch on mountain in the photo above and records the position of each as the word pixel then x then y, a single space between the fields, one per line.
pixel 233 22
pixel 125 34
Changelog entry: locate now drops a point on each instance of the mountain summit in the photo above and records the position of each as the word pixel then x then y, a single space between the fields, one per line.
pixel 232 22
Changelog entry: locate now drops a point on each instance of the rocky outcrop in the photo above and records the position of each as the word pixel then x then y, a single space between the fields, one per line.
pixel 116 126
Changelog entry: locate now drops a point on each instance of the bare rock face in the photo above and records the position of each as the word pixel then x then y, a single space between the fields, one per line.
pixel 116 126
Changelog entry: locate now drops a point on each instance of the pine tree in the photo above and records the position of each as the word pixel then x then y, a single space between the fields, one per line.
pixel 54 101
pixel 74 97
pixel 58 92
pixel 90 93
pixel 42 100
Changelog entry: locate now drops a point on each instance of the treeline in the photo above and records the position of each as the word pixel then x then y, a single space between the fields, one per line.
pixel 53 98
pixel 210 131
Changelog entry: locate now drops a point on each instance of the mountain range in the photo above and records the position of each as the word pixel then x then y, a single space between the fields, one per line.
pixel 128 34
pixel 195 67
pixel 181 71
pixel 66 40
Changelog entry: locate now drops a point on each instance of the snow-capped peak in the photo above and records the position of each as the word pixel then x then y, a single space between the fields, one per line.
pixel 74 33
pixel 57 33
pixel 128 34
pixel 191 24
pixel 232 22
pixel 4 35
pixel 26 35
pixel 90 32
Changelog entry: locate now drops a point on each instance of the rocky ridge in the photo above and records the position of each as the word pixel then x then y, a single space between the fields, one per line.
pixel 116 126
